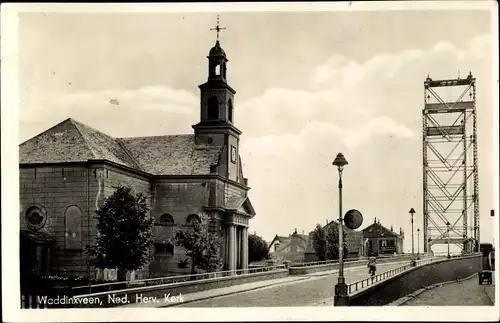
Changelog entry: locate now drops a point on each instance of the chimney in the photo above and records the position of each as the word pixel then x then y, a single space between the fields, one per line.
pixel 375 220
pixel 392 229
pixel 378 221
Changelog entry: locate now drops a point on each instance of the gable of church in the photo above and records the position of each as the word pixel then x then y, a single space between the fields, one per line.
pixel 241 205
pixel 245 208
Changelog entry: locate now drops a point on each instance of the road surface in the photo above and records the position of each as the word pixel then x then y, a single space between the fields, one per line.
pixel 315 291
pixel 467 292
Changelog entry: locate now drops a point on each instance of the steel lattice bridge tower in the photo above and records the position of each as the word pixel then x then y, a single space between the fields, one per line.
pixel 450 164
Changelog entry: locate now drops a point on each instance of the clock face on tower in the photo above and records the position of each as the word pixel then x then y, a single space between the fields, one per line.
pixel 233 154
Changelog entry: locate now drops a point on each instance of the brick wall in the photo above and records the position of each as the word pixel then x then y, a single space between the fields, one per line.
pixel 55 189
pixel 179 198
pixel 113 177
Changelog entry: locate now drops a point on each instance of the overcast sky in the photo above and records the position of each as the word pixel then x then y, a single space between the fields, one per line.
pixel 309 85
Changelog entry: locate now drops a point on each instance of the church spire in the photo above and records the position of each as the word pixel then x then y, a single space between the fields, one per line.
pixel 217 58
pixel 218 28
pixel 217 96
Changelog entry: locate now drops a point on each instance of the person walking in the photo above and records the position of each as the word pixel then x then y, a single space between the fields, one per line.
pixel 372 265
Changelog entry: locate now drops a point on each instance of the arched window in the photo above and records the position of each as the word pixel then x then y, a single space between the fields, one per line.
pixel 230 110
pixel 193 217
pixel 217 69
pixel 73 232
pixel 166 219
pixel 213 108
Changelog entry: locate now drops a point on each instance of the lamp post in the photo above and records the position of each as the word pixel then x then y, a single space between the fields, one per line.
pixel 412 211
pixel 341 298
pixel 448 234
pixel 418 241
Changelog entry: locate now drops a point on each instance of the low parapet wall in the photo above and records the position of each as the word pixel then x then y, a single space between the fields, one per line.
pixel 158 293
pixel 422 276
pixel 303 270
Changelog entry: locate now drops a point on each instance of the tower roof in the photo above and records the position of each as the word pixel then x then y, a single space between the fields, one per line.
pixel 217 51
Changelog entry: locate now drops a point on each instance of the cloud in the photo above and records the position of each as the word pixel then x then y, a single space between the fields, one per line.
pixel 370 111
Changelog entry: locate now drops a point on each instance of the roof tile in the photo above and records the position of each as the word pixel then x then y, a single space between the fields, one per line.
pixel 171 155
pixel 72 141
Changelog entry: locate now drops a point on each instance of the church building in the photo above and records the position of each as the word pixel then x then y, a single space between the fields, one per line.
pixel 68 171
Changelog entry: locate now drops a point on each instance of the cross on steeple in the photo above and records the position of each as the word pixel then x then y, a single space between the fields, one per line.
pixel 217 28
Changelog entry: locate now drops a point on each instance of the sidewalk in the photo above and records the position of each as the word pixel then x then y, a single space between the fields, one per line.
pixel 211 293
pixel 466 292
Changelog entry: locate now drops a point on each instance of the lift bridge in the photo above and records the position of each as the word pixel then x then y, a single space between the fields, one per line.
pixel 450 164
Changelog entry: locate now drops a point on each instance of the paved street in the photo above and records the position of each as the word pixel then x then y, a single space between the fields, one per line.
pixel 467 292
pixel 317 290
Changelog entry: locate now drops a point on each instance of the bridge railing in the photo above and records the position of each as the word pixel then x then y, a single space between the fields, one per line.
pixel 325 262
pixel 121 285
pixel 330 262
pixel 360 284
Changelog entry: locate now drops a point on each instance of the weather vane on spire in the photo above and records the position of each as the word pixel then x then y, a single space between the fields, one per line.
pixel 217 28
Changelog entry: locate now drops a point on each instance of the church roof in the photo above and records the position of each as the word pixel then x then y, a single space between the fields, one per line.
pixel 72 141
pixel 171 155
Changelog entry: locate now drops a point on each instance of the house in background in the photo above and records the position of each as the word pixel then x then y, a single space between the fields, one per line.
pixel 291 248
pixel 381 240
pixel 353 239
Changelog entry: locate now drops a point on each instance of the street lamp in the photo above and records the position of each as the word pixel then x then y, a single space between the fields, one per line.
pixel 448 234
pixel 418 241
pixel 341 298
pixel 412 211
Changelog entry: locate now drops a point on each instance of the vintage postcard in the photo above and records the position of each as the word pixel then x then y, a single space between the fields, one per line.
pixel 295 161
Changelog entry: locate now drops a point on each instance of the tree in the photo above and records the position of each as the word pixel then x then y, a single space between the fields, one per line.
pixel 319 242
pixel 257 248
pixel 332 242
pixel 201 245
pixel 124 233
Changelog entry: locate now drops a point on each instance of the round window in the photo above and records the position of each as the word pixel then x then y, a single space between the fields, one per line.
pixel 35 218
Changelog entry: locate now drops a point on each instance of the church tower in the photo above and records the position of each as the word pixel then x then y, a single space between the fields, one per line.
pixel 216 127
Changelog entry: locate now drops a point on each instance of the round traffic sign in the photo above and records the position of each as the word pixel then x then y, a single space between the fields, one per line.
pixel 353 219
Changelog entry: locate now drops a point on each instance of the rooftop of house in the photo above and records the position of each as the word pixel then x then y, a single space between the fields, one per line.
pixel 380 230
